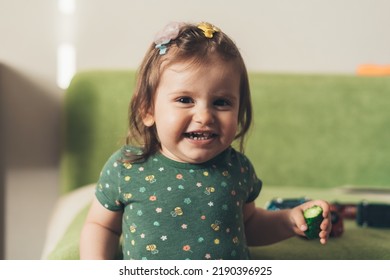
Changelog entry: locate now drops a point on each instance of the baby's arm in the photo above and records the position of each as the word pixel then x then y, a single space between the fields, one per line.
pixel 101 232
pixel 263 227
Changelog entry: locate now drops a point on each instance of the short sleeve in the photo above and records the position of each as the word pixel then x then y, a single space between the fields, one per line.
pixel 253 183
pixel 108 186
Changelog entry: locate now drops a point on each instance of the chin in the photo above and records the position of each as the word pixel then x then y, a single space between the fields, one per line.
pixel 202 158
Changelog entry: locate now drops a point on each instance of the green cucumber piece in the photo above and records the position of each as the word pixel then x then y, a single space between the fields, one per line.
pixel 313 217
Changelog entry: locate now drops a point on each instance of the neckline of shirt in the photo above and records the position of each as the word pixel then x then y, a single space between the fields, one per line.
pixel 217 160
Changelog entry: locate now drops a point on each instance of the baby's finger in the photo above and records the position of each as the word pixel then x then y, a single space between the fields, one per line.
pixel 323 204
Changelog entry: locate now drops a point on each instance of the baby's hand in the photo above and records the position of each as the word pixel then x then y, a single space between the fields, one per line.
pixel 299 223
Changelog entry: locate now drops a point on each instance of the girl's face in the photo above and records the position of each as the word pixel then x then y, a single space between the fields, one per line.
pixel 196 110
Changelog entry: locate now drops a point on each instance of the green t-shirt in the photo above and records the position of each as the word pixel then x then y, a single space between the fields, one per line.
pixel 174 210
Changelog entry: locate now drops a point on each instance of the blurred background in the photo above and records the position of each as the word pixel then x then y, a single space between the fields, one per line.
pixel 44 42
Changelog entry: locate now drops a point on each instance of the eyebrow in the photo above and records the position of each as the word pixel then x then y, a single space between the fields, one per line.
pixel 228 94
pixel 180 92
pixel 221 94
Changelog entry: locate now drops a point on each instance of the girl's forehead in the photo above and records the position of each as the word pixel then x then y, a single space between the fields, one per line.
pixel 218 76
pixel 196 64
pixel 187 71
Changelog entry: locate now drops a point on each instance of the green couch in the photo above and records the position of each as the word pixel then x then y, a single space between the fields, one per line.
pixel 315 136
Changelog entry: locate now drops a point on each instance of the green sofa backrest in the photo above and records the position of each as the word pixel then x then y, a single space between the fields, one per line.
pixel 95 123
pixel 309 130
pixel 321 130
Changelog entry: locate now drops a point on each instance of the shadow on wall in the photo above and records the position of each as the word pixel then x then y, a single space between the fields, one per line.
pixel 32 113
pixel 2 168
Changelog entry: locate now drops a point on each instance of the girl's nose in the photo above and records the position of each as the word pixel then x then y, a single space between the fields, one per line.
pixel 204 116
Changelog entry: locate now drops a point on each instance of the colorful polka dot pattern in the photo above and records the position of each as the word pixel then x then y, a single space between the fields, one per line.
pixel 180 211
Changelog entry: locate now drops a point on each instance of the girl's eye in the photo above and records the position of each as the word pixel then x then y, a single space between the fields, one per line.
pixel 185 100
pixel 222 102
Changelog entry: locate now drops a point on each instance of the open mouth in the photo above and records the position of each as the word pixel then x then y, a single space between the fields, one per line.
pixel 200 135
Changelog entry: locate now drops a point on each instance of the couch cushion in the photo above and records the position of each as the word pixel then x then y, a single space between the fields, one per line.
pixel 68 246
pixel 65 216
pixel 95 123
pixel 320 130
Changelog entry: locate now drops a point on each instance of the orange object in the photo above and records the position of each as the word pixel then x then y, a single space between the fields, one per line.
pixel 373 70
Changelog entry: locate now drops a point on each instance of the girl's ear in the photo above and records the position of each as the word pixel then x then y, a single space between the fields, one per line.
pixel 148 120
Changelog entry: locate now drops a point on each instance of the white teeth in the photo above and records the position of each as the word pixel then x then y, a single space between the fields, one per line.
pixel 199 135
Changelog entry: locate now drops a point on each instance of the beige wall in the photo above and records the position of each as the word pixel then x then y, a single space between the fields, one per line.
pixel 273 35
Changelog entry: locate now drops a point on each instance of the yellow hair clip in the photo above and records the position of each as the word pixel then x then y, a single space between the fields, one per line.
pixel 208 29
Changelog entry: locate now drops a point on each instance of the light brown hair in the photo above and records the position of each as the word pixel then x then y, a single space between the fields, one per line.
pixel 190 45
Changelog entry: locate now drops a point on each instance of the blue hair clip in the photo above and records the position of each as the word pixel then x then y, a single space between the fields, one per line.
pixel 163 47
pixel 164 37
